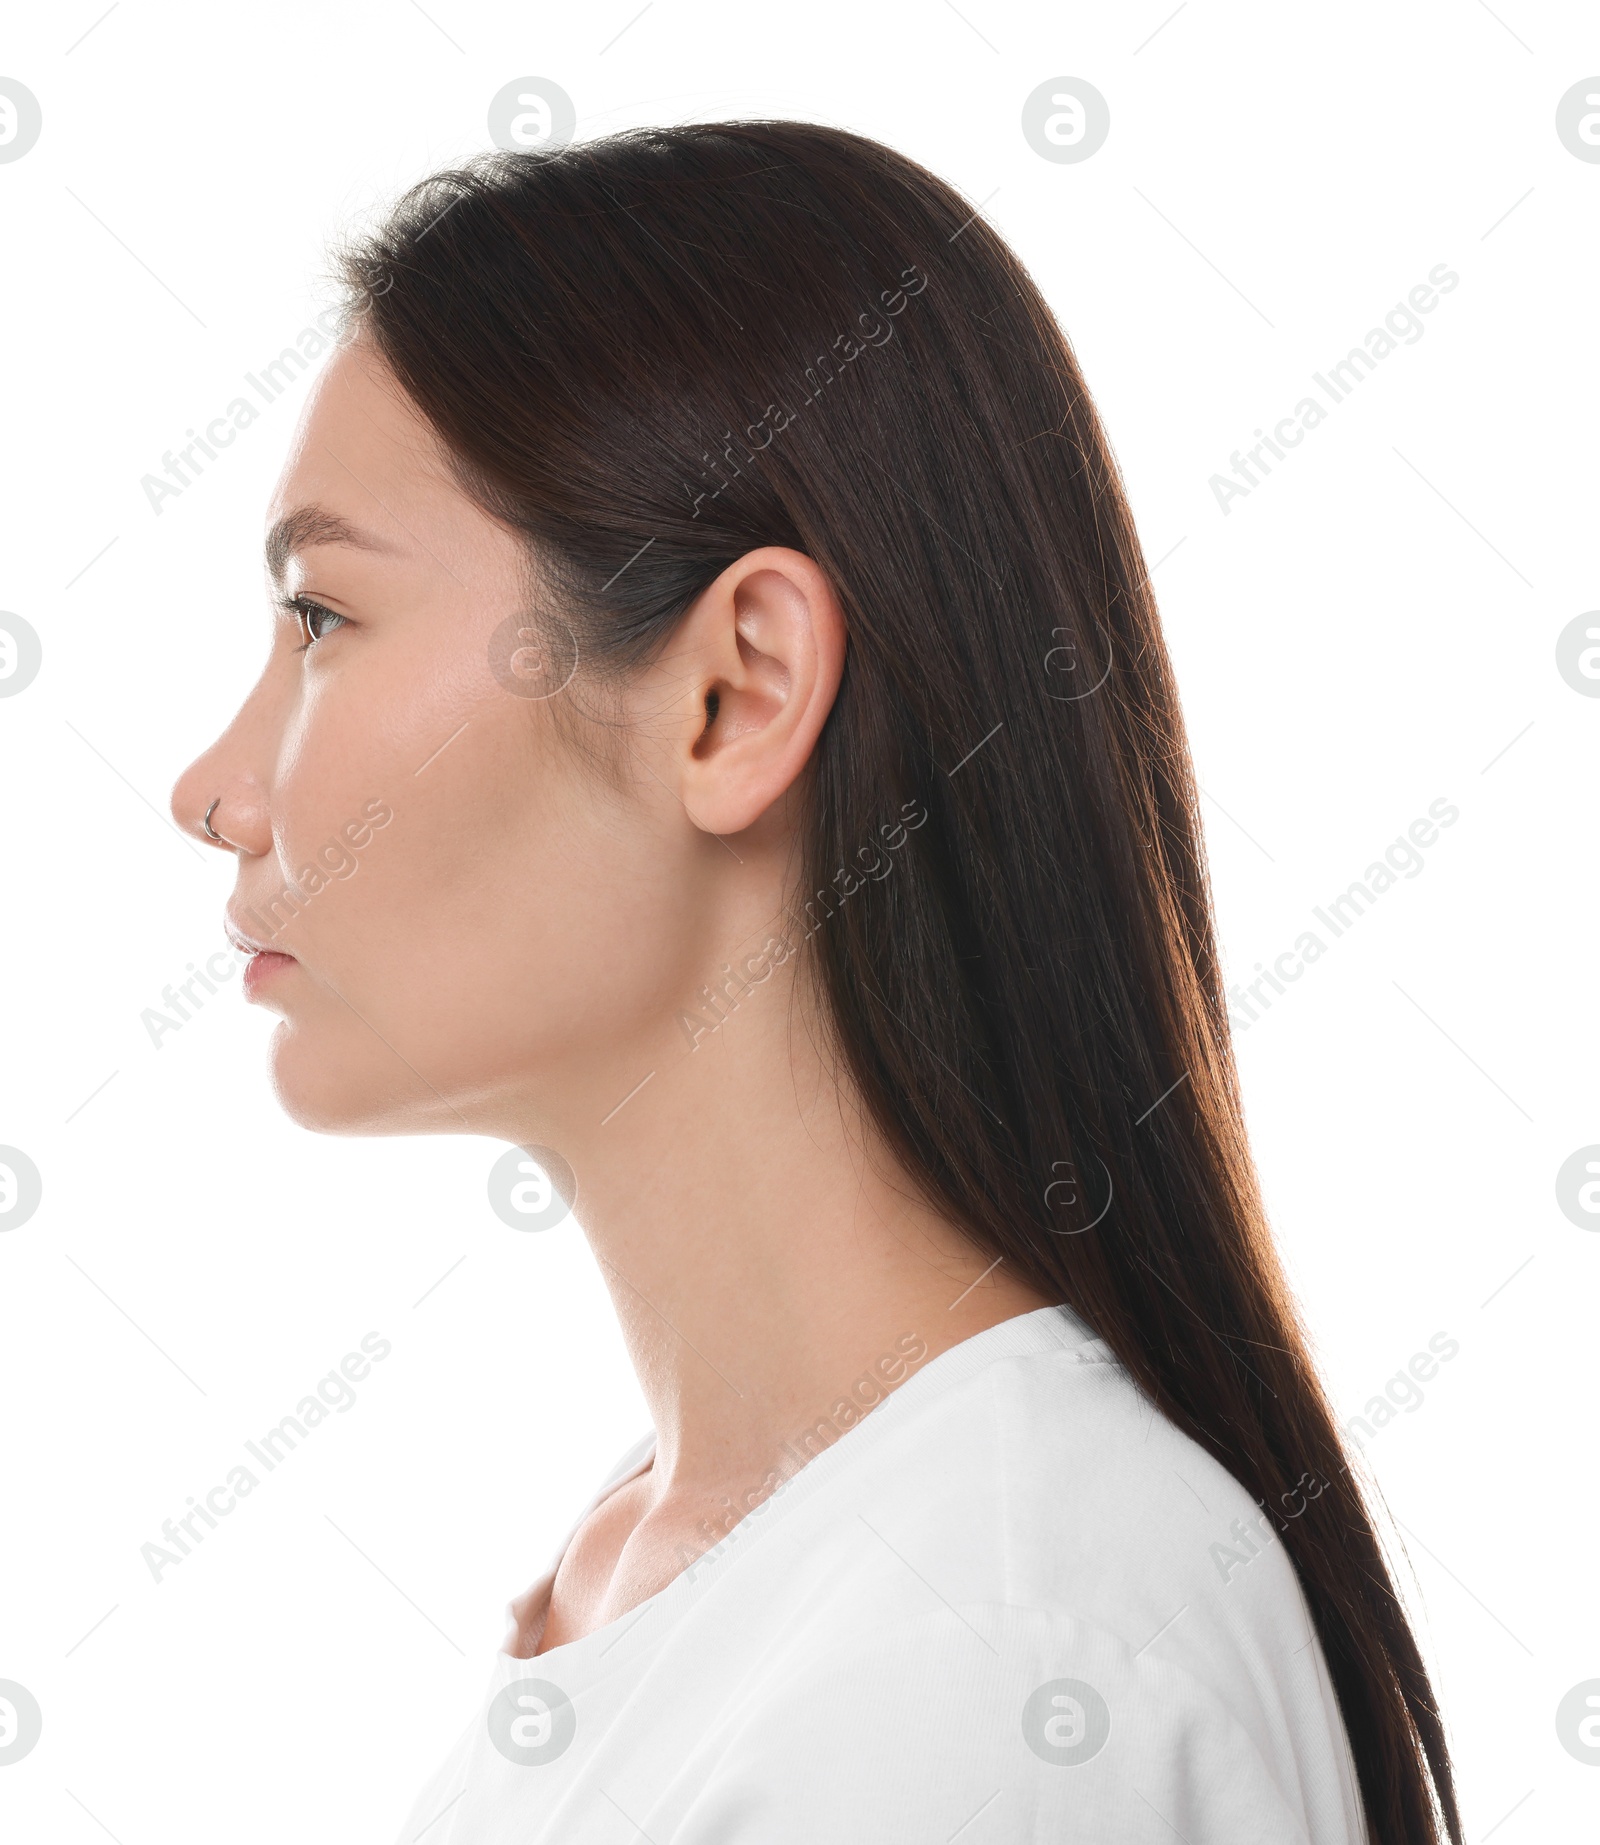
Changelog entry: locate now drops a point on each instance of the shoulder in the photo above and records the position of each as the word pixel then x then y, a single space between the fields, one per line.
pixel 1037 1557
pixel 1044 1724
pixel 1048 1479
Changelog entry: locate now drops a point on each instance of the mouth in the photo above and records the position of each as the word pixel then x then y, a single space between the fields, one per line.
pixel 262 965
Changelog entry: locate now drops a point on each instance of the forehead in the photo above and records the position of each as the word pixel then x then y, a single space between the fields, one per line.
pixel 365 469
pixel 358 434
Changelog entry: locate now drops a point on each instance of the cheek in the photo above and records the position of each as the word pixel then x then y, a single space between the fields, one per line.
pixel 512 915
pixel 541 907
pixel 361 744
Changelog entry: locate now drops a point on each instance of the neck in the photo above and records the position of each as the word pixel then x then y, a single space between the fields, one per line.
pixel 774 1270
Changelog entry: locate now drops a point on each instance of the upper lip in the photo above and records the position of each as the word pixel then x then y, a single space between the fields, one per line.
pixel 243 940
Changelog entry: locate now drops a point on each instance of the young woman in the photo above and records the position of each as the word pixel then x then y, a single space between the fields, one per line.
pixel 710 617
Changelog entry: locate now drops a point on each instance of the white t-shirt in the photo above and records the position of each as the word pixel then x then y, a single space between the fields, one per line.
pixel 1011 1603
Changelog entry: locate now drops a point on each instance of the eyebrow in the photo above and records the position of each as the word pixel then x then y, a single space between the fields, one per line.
pixel 312 525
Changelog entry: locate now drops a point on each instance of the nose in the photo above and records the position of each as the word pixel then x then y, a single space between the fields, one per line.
pixel 221 806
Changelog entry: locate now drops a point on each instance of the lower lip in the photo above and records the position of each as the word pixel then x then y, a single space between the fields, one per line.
pixel 264 967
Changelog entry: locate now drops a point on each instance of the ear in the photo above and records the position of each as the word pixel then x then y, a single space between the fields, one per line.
pixel 765 645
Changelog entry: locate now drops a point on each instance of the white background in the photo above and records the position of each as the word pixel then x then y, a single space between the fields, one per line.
pixel 1370 630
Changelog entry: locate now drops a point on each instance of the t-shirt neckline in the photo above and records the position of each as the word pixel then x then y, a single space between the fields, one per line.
pixel 1041 1329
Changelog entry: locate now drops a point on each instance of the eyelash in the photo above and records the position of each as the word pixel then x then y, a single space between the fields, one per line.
pixel 304 607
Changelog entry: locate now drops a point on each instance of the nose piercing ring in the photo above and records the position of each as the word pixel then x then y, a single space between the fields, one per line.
pixel 215 837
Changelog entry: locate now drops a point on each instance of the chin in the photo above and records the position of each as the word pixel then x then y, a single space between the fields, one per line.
pixel 331 1089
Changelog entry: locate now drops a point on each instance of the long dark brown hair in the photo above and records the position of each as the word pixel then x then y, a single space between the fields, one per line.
pixel 655 352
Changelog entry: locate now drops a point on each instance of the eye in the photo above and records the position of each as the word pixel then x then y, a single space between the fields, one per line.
pixel 315 620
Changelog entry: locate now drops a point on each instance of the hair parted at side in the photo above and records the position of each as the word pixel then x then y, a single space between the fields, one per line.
pixel 655 352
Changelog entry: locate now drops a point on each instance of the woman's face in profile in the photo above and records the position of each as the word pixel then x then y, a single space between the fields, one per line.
pixel 468 907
